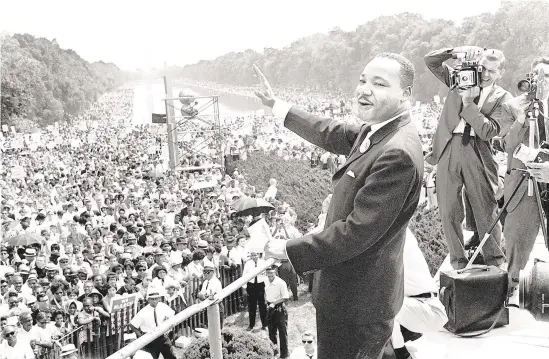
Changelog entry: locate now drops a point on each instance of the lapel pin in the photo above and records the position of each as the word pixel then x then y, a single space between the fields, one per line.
pixel 365 145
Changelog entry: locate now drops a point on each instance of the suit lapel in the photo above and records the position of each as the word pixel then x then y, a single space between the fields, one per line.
pixel 374 139
pixel 490 102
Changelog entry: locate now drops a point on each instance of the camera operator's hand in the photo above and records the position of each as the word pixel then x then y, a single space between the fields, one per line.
pixel 540 171
pixel 471 52
pixel 519 105
pixel 266 94
pixel 468 96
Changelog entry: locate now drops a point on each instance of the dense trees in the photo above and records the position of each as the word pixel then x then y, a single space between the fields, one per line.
pixel 42 83
pixel 333 61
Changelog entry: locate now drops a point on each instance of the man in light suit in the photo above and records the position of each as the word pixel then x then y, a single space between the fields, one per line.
pixel 462 151
pixel 358 286
pixel 523 221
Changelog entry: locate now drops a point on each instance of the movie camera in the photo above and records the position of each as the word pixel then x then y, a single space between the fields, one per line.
pixel 466 74
pixel 533 84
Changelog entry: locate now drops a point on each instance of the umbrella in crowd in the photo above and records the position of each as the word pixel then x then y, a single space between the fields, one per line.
pixel 249 206
pixel 25 239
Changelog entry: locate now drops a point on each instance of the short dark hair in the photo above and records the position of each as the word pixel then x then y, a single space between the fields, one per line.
pixel 407 71
pixel 540 60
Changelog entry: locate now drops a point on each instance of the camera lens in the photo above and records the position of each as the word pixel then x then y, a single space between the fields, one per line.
pixel 534 290
pixel 524 85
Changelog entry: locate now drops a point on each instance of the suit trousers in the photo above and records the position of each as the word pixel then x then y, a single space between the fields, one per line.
pixel 522 226
pixel 277 319
pixel 354 341
pixel 160 345
pixel 460 167
pixel 256 297
pixel 287 272
pixel 420 315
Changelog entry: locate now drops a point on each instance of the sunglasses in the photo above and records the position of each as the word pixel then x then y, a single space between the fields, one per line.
pixel 307 341
pixel 10 334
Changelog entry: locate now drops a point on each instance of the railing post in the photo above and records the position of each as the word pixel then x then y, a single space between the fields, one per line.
pixel 214 331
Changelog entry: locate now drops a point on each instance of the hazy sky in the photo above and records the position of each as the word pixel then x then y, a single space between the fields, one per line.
pixel 133 33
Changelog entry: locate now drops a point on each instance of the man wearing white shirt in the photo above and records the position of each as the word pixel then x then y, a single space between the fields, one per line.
pixel 211 288
pixel 12 348
pixel 463 153
pixel 308 349
pixel 276 295
pixel 232 253
pixel 421 311
pixel 256 291
pixel 148 319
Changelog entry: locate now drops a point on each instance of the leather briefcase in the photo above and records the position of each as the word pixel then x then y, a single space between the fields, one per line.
pixel 474 298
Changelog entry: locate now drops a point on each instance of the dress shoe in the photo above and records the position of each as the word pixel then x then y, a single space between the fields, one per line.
pixel 408 335
pixel 473 242
pixel 402 353
pixel 513 300
pixel 250 329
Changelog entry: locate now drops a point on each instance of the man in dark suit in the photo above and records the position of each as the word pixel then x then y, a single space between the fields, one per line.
pixel 358 286
pixel 523 221
pixel 462 151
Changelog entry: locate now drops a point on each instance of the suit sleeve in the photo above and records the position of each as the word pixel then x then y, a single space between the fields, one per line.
pixel 512 131
pixel 435 63
pixel 393 175
pixel 485 127
pixel 331 135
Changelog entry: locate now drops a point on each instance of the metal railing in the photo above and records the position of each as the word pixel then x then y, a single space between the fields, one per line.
pixel 214 325
pixel 100 340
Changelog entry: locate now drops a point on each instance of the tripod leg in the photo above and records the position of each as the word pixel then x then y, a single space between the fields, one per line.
pixel 494 224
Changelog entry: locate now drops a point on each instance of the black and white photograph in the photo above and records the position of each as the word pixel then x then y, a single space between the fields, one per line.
pixel 274 180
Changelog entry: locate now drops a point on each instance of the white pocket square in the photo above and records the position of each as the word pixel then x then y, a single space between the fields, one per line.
pixel 351 174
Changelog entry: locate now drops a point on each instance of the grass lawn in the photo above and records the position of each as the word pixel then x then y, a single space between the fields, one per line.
pixel 301 317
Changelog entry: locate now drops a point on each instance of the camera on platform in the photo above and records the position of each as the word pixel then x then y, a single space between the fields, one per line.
pixel 466 74
pixel 534 290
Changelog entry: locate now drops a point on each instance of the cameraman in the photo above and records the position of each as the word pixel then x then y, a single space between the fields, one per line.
pixel 523 221
pixel 462 150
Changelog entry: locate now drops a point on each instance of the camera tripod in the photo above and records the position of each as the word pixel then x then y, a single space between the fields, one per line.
pixel 532 184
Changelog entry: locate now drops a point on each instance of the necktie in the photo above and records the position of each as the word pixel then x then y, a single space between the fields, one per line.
pixel 467 131
pixel 541 125
pixel 362 143
pixel 255 282
pixel 155 319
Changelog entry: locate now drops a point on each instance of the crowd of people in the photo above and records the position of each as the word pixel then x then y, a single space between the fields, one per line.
pixel 91 212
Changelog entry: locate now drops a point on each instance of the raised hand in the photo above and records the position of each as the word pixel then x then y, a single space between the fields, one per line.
pixel 266 94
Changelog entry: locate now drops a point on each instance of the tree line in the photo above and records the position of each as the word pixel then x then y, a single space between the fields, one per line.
pixel 43 83
pixel 333 61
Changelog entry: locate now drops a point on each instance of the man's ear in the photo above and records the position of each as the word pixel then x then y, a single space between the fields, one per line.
pixel 407 93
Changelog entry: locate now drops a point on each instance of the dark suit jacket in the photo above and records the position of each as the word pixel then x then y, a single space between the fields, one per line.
pixel 359 253
pixel 485 122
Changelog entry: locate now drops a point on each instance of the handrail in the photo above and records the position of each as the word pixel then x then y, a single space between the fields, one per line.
pixel 168 325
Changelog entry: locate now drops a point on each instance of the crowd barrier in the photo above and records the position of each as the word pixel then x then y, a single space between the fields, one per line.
pixel 100 340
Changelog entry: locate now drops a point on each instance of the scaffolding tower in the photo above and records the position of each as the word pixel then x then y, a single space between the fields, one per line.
pixel 175 125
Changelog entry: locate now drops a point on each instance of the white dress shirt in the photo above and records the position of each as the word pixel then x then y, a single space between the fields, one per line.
pixel 460 128
pixel 211 286
pixel 417 278
pixel 276 290
pixel 250 266
pixel 144 319
pixel 375 127
pixel 21 350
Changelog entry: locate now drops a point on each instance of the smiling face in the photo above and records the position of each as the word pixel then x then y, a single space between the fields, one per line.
pixel 379 92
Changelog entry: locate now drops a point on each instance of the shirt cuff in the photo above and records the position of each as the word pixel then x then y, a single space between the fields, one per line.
pixel 281 108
